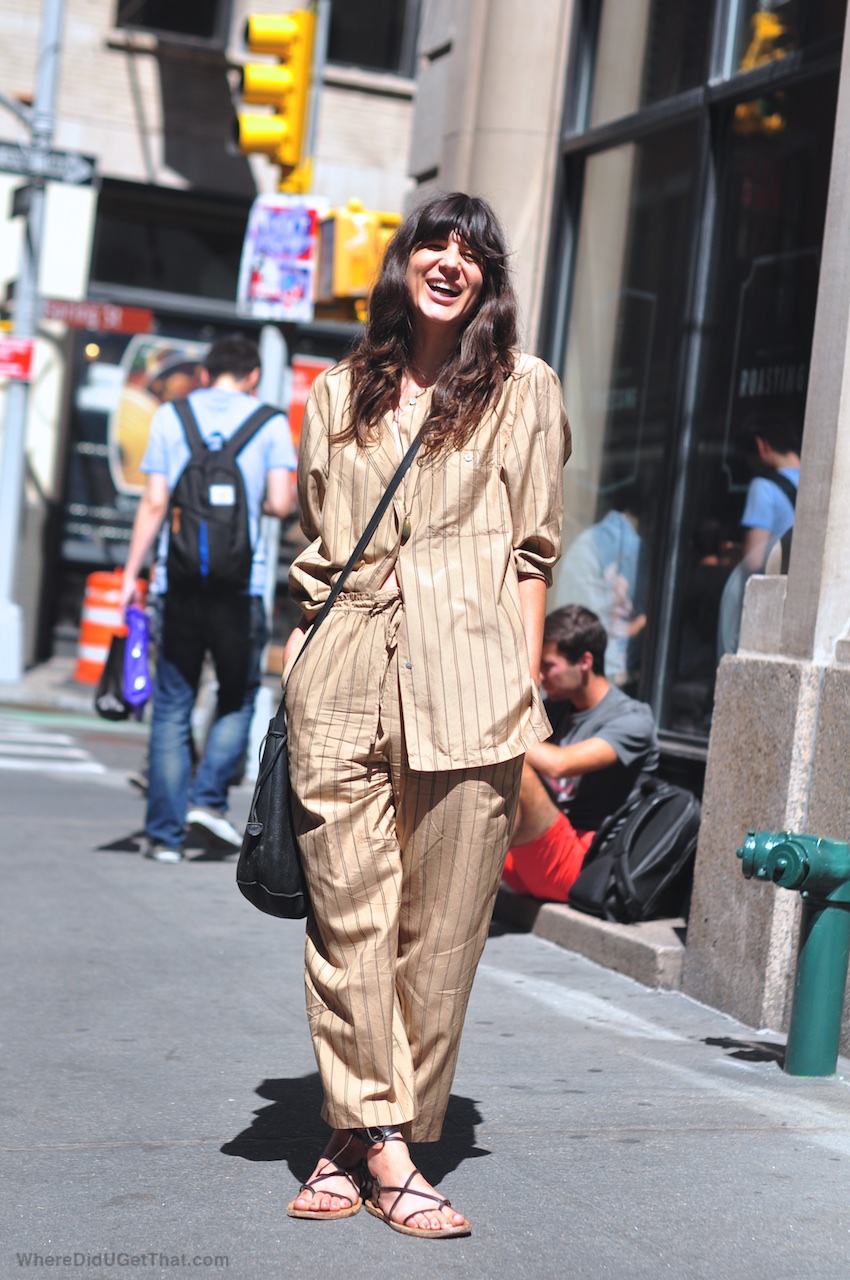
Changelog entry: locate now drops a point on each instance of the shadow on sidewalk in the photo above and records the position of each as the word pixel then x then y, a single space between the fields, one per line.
pixel 291 1129
pixel 750 1050
pixel 131 843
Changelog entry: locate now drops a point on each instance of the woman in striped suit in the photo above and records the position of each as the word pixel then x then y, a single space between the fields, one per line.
pixel 412 709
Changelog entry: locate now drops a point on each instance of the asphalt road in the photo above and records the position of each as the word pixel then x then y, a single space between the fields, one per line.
pixel 160 1098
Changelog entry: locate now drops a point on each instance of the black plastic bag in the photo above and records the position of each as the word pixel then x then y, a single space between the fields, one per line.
pixel 109 700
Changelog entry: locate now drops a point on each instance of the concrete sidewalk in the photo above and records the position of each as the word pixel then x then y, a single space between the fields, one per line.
pixel 161 1099
pixel 50 686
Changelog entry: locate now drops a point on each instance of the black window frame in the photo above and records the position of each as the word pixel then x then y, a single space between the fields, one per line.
pixel 218 40
pixel 578 142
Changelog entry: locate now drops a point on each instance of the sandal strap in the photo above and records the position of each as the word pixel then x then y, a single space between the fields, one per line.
pixel 335 1171
pixel 376 1134
pixel 440 1201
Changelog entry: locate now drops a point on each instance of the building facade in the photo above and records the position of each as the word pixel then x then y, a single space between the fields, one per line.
pixel 148 89
pixel 673 178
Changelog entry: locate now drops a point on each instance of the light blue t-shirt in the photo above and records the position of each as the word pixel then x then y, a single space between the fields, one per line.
pixel 220 413
pixel 767 507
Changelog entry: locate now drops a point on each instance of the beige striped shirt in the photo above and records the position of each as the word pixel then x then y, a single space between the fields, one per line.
pixel 480 518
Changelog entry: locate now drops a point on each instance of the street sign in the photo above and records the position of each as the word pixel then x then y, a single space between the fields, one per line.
pixel 55 166
pixel 16 358
pixel 101 317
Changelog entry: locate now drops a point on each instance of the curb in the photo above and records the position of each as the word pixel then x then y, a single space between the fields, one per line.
pixel 651 952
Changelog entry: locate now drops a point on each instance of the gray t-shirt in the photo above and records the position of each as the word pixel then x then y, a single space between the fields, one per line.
pixel 625 724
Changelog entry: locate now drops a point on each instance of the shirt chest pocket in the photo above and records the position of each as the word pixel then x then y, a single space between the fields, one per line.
pixel 461 493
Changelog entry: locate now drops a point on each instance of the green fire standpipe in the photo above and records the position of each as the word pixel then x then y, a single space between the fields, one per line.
pixel 820 869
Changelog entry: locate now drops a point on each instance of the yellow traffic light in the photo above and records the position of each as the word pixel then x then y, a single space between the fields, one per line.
pixel 769 40
pixel 352 241
pixel 286 87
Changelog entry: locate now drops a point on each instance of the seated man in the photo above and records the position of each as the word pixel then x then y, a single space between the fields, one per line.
pixel 601 741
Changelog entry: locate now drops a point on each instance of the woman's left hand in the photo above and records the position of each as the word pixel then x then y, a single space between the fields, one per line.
pixel 292 648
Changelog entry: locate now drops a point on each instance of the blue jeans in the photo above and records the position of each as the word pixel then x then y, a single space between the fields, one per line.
pixel 234 631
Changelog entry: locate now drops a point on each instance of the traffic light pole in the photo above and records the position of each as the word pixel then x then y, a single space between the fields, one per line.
pixel 40 120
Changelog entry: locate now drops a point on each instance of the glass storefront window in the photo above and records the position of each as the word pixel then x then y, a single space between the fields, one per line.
pixel 620 380
pixel 648 50
pixel 761 31
pixel 756 345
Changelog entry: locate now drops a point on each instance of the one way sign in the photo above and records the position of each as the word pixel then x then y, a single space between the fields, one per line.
pixel 55 166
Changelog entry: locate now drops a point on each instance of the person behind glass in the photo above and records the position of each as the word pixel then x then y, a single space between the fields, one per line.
pixel 411 711
pixel 771 495
pixel 767 518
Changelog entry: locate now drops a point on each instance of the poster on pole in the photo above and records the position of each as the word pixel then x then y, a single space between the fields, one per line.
pixel 277 273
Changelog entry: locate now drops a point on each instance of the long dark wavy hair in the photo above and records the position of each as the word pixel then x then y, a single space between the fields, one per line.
pixel 472 378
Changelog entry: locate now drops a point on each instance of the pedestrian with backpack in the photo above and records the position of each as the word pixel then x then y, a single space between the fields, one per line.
pixel 767 518
pixel 214 462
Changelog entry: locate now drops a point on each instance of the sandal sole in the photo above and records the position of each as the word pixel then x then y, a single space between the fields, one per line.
pixel 422 1233
pixel 323 1215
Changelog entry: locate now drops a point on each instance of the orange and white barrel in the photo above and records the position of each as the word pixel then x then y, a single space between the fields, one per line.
pixel 102 618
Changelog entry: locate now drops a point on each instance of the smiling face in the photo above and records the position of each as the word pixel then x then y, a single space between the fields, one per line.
pixel 444 279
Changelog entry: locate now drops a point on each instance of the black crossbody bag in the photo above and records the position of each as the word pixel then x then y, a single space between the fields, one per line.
pixel 269 871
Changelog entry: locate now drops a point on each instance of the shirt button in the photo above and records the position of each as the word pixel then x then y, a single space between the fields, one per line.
pixel 467 457
pixel 409 666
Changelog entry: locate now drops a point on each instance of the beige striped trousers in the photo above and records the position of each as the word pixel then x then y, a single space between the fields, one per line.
pixel 403 869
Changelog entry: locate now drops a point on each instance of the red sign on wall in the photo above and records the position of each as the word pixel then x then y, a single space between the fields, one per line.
pixel 305 370
pixel 16 358
pixel 101 317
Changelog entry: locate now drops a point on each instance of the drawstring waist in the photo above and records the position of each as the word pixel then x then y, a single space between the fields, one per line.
pixel 365 601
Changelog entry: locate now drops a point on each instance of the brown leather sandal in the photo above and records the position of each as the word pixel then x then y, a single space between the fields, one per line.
pixel 372 1190
pixel 333 1170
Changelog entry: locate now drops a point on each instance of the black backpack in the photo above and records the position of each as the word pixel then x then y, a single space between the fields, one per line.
pixel 209 541
pixel 640 863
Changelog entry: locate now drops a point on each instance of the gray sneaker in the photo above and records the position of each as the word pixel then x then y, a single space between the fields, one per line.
pixel 160 852
pixel 214 827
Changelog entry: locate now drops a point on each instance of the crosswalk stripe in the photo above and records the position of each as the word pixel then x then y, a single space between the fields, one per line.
pixel 45 739
pixel 37 751
pixel 23 747
pixel 53 766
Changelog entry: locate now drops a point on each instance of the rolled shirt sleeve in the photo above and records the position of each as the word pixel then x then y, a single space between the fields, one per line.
pixel 536 452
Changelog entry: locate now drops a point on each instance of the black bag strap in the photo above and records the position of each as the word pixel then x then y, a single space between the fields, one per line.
pixel 191 430
pixel 234 446
pixel 615 821
pixel 252 424
pixel 365 538
pixel 621 869
pixel 787 486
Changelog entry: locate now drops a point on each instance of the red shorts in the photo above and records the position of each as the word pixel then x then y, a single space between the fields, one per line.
pixel 548 867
